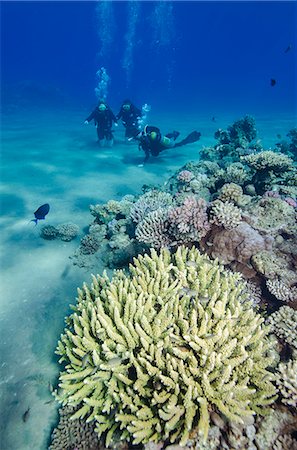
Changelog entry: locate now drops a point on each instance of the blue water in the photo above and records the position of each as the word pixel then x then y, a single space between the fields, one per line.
pixel 190 61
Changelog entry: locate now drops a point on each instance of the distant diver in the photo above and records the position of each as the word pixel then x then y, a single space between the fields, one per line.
pixel 272 82
pixel 41 212
pixel 288 48
pixel 103 118
pixel 130 116
pixel 153 143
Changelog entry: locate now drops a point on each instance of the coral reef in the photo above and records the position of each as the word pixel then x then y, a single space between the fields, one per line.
pixel 48 232
pixel 283 324
pixel 225 214
pixel 281 291
pixel 237 245
pixel 272 215
pixel 185 176
pixel 148 355
pixel 268 161
pixel 65 231
pixel 152 230
pixel 89 244
pixel 287 382
pixel 150 201
pixel 74 434
pixel 188 222
pixel 285 442
pixel 230 192
pixel 272 426
pixel 273 265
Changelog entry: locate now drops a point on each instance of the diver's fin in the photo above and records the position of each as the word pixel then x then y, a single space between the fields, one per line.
pixel 192 137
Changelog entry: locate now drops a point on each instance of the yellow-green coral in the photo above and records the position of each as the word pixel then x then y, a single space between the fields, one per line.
pixel 147 355
pixel 225 214
pixel 230 192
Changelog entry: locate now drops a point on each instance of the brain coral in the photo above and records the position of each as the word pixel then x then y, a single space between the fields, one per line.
pixel 147 355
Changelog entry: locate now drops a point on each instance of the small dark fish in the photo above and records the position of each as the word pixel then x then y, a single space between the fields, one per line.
pixel 41 212
pixel 85 361
pixel 288 48
pixel 66 271
pixel 279 136
pixel 26 415
pixel 49 402
pixel 272 82
pixel 213 119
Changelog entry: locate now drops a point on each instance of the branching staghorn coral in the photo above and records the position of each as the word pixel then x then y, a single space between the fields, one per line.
pixel 147 355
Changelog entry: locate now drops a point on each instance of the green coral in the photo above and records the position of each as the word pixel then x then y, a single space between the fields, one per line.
pixel 148 355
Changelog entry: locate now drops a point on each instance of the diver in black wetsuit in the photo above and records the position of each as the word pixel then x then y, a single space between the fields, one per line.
pixel 103 118
pixel 152 142
pixel 130 116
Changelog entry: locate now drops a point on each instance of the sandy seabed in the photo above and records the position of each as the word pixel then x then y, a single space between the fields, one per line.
pixel 52 158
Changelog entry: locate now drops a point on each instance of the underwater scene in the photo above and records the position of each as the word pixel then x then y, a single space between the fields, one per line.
pixel 148 225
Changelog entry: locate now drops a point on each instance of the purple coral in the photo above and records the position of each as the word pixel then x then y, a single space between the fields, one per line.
pixel 185 176
pixel 291 202
pixel 273 194
pixel 189 222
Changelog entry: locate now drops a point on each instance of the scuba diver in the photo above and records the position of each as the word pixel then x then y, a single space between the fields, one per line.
pixel 152 142
pixel 130 116
pixel 103 118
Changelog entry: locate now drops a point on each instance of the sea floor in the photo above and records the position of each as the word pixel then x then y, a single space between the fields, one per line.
pixel 51 157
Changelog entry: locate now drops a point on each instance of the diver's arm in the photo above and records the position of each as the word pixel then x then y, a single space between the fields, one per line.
pixel 91 116
pixel 113 117
pixel 120 114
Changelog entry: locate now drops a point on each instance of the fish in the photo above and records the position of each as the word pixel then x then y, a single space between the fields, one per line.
pixel 272 82
pixel 288 48
pixel 85 361
pixel 41 212
pixel 26 415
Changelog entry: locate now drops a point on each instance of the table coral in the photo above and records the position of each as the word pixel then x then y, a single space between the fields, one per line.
pixel 147 354
pixel 268 160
